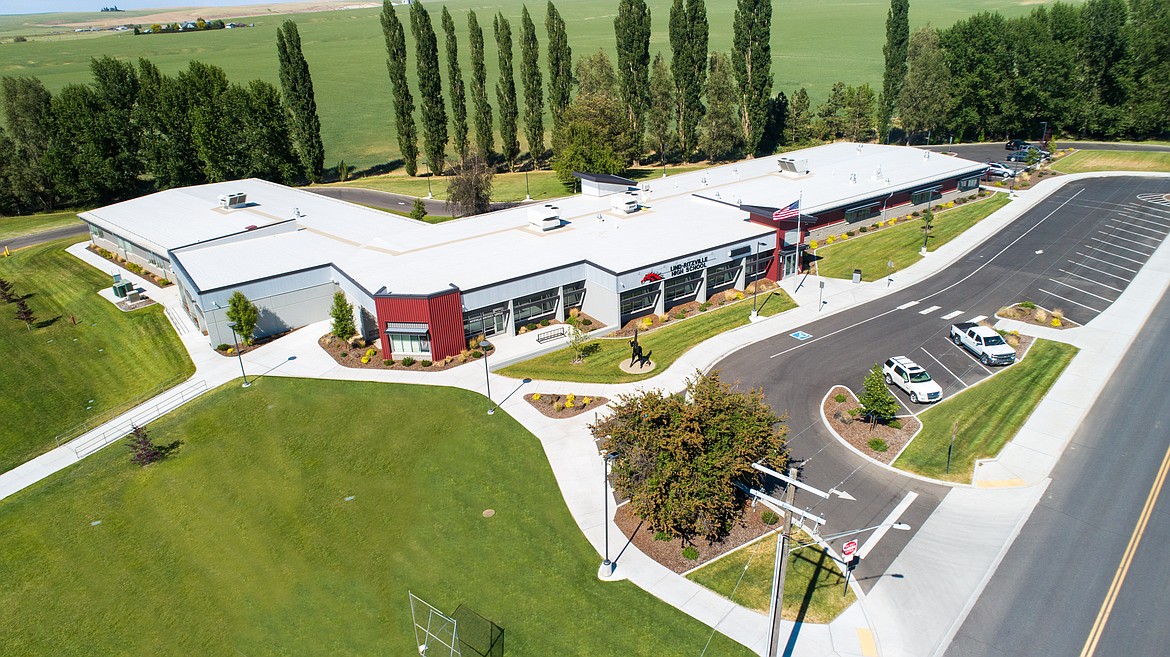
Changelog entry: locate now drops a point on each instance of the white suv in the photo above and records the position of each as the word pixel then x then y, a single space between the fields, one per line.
pixel 907 375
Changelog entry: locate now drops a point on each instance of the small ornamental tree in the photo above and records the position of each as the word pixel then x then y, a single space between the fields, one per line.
pixel 342 314
pixel 577 339
pixel 6 293
pixel 245 314
pixel 927 224
pixel 678 457
pixel 876 400
pixel 419 211
pixel 142 451
pixel 25 314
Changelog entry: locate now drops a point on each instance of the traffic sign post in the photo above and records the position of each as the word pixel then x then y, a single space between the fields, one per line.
pixel 848 550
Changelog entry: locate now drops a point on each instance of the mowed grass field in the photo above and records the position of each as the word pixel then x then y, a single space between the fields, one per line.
pixel 1084 161
pixel 243 541
pixel 34 223
pixel 813 45
pixel 51 374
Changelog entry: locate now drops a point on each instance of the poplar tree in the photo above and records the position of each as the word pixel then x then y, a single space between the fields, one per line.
pixel 560 65
pixel 751 57
pixel 403 102
pixel 632 28
pixel 895 50
pixel 297 85
pixel 722 137
pixel 925 101
pixel 688 64
pixel 660 116
pixel 799 122
pixel 533 86
pixel 484 132
pixel 506 91
pixel 430 88
pixel 29 116
pixel 455 84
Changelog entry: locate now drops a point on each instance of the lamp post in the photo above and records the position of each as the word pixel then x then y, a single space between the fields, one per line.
pixel 527 192
pixel 607 566
pixel 927 215
pixel 755 282
pixel 1044 133
pixel 430 174
pixel 487 376
pixel 236 340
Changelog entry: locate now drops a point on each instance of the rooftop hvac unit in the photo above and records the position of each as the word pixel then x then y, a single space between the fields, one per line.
pixel 627 202
pixel 789 165
pixel 544 217
pixel 233 201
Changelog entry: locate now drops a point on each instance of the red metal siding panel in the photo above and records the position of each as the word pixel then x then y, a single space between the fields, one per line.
pixel 397 309
pixel 446 320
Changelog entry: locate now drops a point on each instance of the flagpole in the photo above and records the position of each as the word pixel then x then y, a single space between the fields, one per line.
pixel 799 239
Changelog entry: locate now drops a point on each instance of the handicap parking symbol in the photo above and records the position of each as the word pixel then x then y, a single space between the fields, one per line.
pixel 801 335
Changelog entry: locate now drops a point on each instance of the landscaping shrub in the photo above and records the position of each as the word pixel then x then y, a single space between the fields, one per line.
pixel 536 396
pixel 812 244
pixel 682 314
pixel 388 362
pixel 365 359
pixel 408 361
pixel 850 233
pixel 894 424
pixel 531 327
pixel 477 354
pixel 769 517
pixel 839 398
pixel 544 322
pixel 690 553
pixel 426 363
pixel 863 229
pixel 341 355
pixel 704 306
pixel 662 536
pixel 587 322
pixel 371 351
pixel 878 445
pixel 558 406
pixel 1028 304
pixel 223 347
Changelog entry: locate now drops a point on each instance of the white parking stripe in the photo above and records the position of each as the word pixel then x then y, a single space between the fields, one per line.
pixel 1123 248
pixel 1105 299
pixel 907 305
pixel 1099 271
pixel 872 541
pixel 1090 280
pixel 929 310
pixel 1126 239
pixel 952 315
pixel 978 318
pixel 1108 262
pixel 1159 236
pixel 940 364
pixel 1145 221
pixel 1149 212
pixel 1078 303
pixel 1140 262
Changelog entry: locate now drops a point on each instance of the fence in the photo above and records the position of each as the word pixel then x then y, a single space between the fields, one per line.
pixel 86 446
pixel 105 416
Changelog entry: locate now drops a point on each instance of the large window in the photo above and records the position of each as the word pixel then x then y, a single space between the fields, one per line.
pixel 639 299
pixel 758 265
pixel 924 196
pixel 682 288
pixel 574 294
pixel 408 338
pixel 721 275
pixel 968 184
pixel 535 306
pixel 485 321
pixel 861 213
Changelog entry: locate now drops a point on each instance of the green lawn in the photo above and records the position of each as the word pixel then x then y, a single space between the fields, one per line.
pixel 813 588
pixel 813 44
pixel 34 223
pixel 1084 161
pixel 51 374
pixel 243 543
pixel 870 252
pixel 989 415
pixel 663 345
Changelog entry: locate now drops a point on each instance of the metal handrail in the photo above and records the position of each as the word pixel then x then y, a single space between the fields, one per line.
pixel 109 414
pixel 153 412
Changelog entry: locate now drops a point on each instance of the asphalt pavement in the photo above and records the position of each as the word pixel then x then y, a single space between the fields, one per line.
pixel 379 199
pixel 1061 568
pixel 796 371
pixel 995 151
pixel 43 236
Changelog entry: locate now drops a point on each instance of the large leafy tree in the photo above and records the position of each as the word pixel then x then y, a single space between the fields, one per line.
pixel 403 101
pixel 660 117
pixel 722 134
pixel 678 458
pixel 267 151
pixel 799 123
pixel 116 88
pixel 925 100
pixel 976 56
pixel 430 88
pixel 531 78
pixel 245 314
pixel 688 43
pixel 506 91
pixel 632 28
pixel 860 108
pixel 751 58
pixel 28 113
pixel 1103 56
pixel 83 156
pixel 895 51
pixel 163 117
pixel 213 107
pixel 297 85
pixel 455 84
pixel 595 75
pixel 469 190
pixel 484 132
pixel 560 64
pixel 1149 43
pixel 831 112
pixel 594 137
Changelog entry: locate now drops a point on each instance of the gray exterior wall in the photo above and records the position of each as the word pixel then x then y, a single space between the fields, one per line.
pixel 132 252
pixel 819 234
pixel 278 312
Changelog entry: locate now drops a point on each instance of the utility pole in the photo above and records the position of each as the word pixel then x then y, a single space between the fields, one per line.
pixel 781 569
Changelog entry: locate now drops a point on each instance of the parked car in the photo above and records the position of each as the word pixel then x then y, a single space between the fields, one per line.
pixel 1016 144
pixel 907 375
pixel 984 342
pixel 1023 154
pixel 1001 170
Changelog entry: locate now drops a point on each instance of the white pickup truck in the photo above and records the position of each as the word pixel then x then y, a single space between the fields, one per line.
pixel 982 341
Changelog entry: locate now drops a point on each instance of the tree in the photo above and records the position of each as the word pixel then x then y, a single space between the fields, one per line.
pixel 1149 44
pixel 28 114
pixel 163 117
pixel 877 402
pixel 506 92
pixel 245 314
pixel 595 75
pixel 403 102
pixel 776 129
pixel 533 86
pixel 1103 56
pixel 78 156
pixel 297 85
pixel 8 203
pixel 419 211
pixel 455 84
pixel 860 108
pixel 632 28
pixel 722 134
pixel 24 313
pixel 484 132
pixel 751 57
pixel 212 105
pixel 342 314
pixel 577 338
pixel 896 52
pixel 925 101
pixel 660 117
pixel 678 458
pixel 143 450
pixel 831 111
pixel 6 293
pixel 469 189
pixel 116 87
pixel 430 88
pixel 688 44
pixel 977 59
pixel 265 142
pixel 594 137
pixel 799 122
pixel 560 65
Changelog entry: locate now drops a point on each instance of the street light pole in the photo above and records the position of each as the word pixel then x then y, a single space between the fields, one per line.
pixel 780 572
pixel 527 191
pixel 607 566
pixel 487 376
pixel 236 340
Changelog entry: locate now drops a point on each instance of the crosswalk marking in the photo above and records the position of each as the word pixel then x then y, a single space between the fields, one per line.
pixel 978 318
pixel 929 310
pixel 907 305
pixel 952 315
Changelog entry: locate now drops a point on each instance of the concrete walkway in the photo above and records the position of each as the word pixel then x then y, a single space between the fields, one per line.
pixel 941 571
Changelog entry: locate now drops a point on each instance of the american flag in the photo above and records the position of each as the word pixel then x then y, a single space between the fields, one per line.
pixel 788 212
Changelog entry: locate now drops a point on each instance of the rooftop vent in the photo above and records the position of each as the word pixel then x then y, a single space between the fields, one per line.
pixel 789 165
pixel 233 201
pixel 544 217
pixel 624 202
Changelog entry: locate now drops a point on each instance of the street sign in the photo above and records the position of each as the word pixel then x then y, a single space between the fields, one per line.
pixel 849 548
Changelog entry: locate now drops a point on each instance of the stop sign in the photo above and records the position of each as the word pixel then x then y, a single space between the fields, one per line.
pixel 849 548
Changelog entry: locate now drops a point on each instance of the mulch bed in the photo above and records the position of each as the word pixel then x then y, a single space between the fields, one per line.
pixel 856 432
pixel 118 260
pixel 335 347
pixel 669 553
pixel 256 344
pixel 688 310
pixel 546 403
pixel 1036 316
pixel 126 306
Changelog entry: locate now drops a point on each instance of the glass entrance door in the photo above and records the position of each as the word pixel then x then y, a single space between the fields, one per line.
pixel 790 264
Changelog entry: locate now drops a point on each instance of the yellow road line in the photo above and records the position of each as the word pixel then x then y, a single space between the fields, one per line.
pixel 1126 560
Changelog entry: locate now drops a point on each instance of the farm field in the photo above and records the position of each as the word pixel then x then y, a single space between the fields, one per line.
pixel 814 45
pixel 293 520
pixel 1090 160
